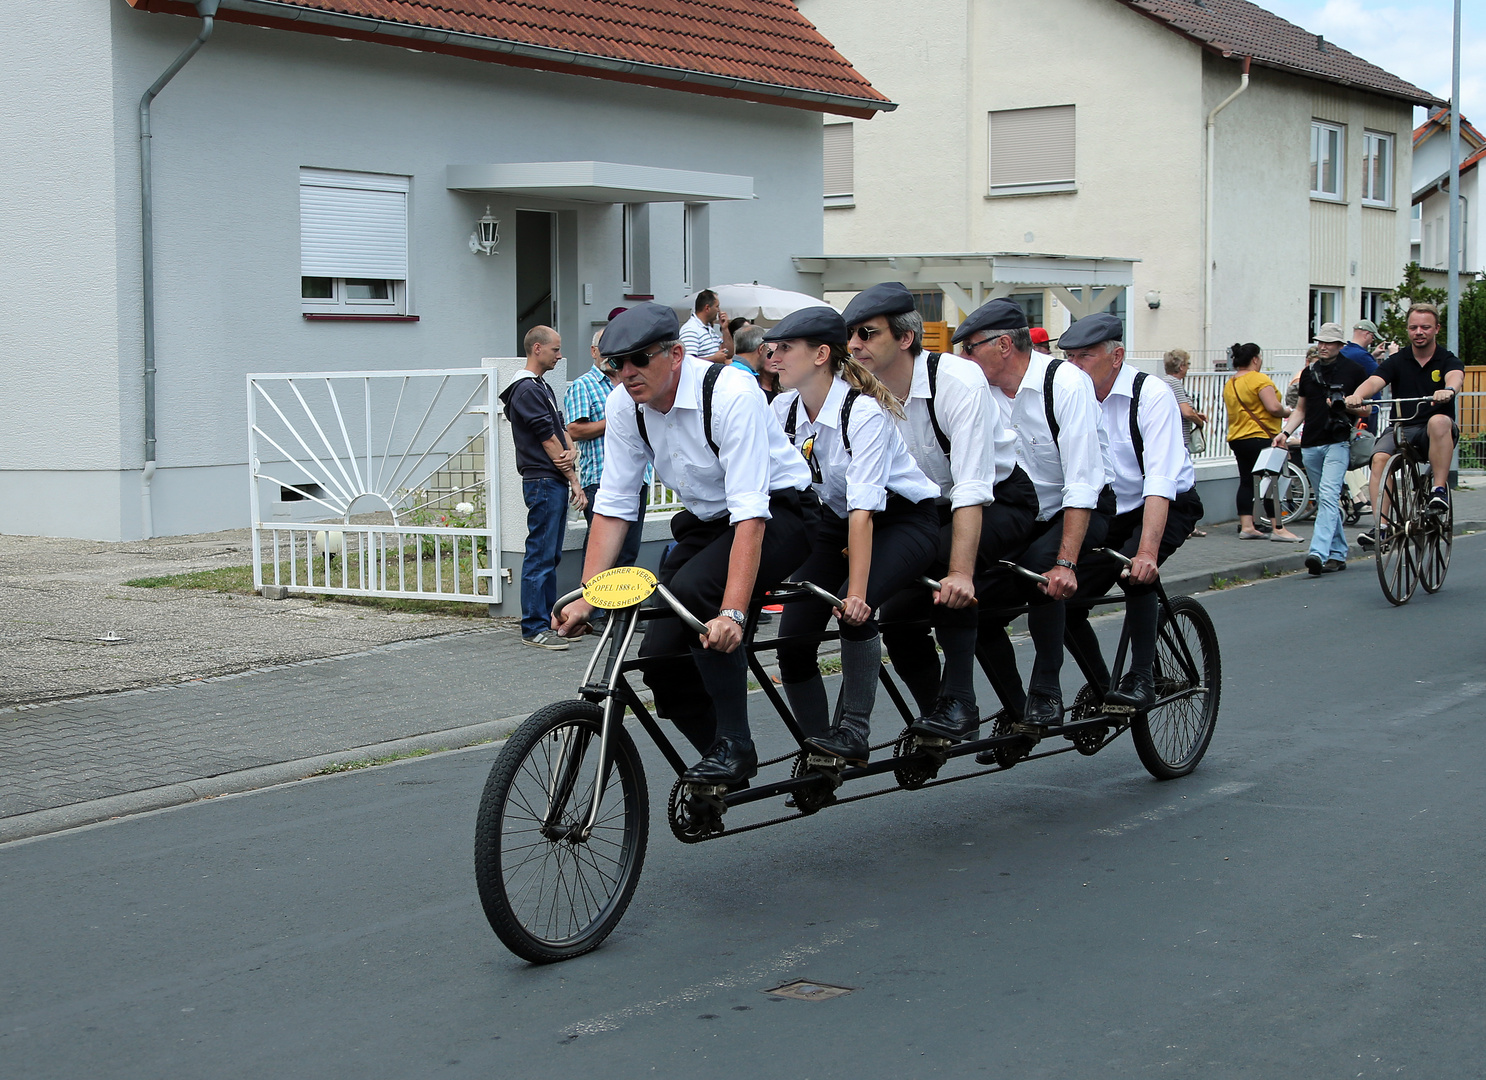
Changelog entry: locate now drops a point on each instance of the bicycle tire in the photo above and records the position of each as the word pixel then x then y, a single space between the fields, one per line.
pixel 1172 738
pixel 1394 555
pixel 546 897
pixel 1295 504
pixel 1438 537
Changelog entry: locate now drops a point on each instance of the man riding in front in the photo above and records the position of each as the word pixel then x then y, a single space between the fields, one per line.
pixel 1424 370
pixel 749 511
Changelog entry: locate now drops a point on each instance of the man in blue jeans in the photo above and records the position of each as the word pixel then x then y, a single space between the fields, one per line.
pixel 549 478
pixel 1326 443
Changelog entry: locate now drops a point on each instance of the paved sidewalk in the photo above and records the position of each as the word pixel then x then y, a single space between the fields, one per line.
pixel 449 683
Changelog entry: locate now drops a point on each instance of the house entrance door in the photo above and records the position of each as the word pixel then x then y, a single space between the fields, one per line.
pixel 536 272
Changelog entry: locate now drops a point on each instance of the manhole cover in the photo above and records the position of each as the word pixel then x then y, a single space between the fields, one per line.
pixel 802 990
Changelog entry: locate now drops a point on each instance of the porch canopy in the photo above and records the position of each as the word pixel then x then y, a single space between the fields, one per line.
pixel 599 182
pixel 1084 284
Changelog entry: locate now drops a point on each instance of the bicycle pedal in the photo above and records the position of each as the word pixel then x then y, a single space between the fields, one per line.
pixel 932 742
pixel 825 761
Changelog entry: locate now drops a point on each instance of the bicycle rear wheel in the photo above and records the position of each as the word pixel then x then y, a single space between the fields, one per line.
pixel 548 892
pixel 1172 738
pixel 1293 496
pixel 1437 536
pixel 1395 554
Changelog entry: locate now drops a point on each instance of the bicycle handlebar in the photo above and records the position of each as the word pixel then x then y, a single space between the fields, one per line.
pixel 665 594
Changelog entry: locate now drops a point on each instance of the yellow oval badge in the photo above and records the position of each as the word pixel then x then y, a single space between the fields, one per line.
pixel 621 587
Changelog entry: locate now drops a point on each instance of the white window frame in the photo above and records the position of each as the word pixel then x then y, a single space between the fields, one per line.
pixel 688 246
pixel 627 247
pixel 1371 142
pixel 1318 314
pixel 1320 128
pixel 844 198
pixel 1046 185
pixel 387 250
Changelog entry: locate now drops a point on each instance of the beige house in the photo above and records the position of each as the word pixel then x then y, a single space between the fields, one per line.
pixel 1203 168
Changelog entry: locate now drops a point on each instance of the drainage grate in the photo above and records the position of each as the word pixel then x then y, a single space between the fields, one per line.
pixel 801 990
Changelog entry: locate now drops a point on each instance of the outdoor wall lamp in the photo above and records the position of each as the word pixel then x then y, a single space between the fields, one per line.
pixel 1153 299
pixel 486 235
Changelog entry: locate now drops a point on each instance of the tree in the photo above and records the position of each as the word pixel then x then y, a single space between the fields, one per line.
pixel 1412 290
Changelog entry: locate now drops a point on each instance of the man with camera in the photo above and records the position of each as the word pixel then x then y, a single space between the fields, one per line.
pixel 1326 443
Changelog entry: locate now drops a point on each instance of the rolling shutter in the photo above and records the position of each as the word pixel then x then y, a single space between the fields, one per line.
pixel 839 178
pixel 353 225
pixel 1032 146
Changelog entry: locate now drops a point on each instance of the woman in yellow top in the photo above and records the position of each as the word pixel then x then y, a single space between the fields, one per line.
pixel 1255 414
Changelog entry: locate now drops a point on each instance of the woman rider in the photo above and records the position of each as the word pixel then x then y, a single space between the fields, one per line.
pixel 879 527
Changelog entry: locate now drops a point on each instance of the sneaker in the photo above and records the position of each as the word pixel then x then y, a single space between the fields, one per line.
pixel 1367 539
pixel 1439 501
pixel 1314 565
pixel 550 642
pixel 1334 566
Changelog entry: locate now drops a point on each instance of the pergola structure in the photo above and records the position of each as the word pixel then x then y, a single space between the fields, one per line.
pixel 1084 284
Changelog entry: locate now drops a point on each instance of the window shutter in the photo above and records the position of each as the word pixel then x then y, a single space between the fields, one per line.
pixel 1032 146
pixel 353 225
pixel 839 178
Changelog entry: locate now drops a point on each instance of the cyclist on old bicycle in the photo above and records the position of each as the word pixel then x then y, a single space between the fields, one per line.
pixel 1423 370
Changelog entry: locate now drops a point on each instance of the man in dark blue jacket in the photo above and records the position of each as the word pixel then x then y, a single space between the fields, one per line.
pixel 548 467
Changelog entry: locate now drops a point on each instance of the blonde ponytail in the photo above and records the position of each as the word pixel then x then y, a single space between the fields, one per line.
pixel 859 378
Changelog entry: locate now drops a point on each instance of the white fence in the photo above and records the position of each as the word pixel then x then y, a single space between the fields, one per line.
pixel 1205 388
pixel 412 454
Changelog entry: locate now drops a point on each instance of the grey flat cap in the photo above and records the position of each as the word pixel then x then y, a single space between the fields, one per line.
pixel 999 314
pixel 889 298
pixel 1091 330
pixel 811 323
pixel 635 328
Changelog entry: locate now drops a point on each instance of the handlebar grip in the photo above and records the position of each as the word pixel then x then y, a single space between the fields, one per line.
pixel 680 609
pixel 1030 575
pixel 564 601
pixel 829 598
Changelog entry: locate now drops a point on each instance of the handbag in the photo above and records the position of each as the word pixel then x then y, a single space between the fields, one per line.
pixel 1361 451
pixel 1196 442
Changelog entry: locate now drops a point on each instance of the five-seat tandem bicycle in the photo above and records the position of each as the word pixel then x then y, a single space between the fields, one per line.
pixel 563 821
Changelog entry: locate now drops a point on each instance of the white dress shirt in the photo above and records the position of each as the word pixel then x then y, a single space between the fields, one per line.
pixel 1072 471
pixel 1168 466
pixel 877 463
pixel 982 449
pixel 753 457
pixel 700 339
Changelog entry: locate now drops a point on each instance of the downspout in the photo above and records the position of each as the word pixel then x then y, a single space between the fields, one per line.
pixel 1207 219
pixel 207 9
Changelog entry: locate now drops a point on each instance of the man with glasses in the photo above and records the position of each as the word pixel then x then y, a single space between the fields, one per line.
pixel 584 404
pixel 1051 407
pixel 955 435
pixel 749 508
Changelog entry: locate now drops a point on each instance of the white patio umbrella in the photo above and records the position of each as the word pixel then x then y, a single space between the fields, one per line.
pixel 763 305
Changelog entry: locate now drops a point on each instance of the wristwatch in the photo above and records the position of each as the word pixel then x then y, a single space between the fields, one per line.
pixel 1067 563
pixel 734 614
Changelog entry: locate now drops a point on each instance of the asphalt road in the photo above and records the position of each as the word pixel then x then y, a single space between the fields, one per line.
pixel 1306 904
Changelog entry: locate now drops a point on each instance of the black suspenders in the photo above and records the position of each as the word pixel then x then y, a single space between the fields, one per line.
pixel 792 418
pixel 709 381
pixel 1135 437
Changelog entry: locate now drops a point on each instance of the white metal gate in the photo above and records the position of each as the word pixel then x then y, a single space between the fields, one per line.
pixel 382 483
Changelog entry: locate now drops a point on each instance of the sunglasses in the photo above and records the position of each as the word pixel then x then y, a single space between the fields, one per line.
pixel 640 359
pixel 865 334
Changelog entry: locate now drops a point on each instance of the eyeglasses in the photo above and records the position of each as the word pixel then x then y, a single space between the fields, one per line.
pixel 971 346
pixel 865 334
pixel 639 359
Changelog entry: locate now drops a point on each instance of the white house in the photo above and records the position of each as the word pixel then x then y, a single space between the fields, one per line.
pixel 1207 170
pixel 1431 239
pixel 318 168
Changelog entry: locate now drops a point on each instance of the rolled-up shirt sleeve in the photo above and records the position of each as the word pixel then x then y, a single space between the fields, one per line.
pixel 1077 412
pixel 1164 450
pixel 965 412
pixel 740 424
pixel 625 460
pixel 867 471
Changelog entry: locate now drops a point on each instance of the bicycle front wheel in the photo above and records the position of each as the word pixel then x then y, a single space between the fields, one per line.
pixel 1172 737
pixel 550 892
pixel 1395 555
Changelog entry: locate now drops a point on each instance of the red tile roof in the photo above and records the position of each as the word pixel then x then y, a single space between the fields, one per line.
pixel 1439 121
pixel 1238 28
pixel 762 50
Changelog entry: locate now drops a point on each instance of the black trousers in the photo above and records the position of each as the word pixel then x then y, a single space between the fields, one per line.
pixel 1099 575
pixel 707 693
pixel 1246 452
pixel 905 542
pixel 1006 525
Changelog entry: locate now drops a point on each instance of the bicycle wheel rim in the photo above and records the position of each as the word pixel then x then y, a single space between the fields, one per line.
pixel 1172 738
pixel 1395 555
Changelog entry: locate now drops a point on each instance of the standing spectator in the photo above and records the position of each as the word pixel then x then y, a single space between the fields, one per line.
pixel 750 343
pixel 706 334
pixel 548 467
pixel 1326 444
pixel 1040 341
pixel 1176 363
pixel 1359 351
pixel 584 403
pixel 1255 415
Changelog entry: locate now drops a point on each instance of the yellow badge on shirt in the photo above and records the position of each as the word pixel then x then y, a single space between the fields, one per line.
pixel 621 587
pixel 1435 374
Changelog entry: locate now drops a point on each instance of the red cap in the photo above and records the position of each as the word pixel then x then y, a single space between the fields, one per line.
pixel 615 312
pixel 1039 335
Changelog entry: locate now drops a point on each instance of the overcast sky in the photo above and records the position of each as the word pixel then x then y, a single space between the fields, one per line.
pixel 1410 38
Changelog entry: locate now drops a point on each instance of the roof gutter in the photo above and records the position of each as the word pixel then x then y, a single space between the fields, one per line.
pixel 1207 216
pixel 546 56
pixel 207 9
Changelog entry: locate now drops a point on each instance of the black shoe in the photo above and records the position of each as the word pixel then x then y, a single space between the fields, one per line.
pixel 1333 566
pixel 1439 501
pixel 1136 693
pixel 842 743
pixel 951 719
pixel 730 761
pixel 1043 711
pixel 1367 539
pixel 1314 565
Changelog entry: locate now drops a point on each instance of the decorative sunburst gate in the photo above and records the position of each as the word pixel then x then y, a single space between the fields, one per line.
pixel 390 476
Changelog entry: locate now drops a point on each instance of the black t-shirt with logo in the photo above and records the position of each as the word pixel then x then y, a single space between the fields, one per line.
pixel 1320 384
pixel 1408 379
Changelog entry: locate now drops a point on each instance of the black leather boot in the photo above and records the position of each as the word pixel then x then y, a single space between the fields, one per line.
pixel 1044 710
pixel 951 718
pixel 1136 693
pixel 842 742
pixel 730 761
